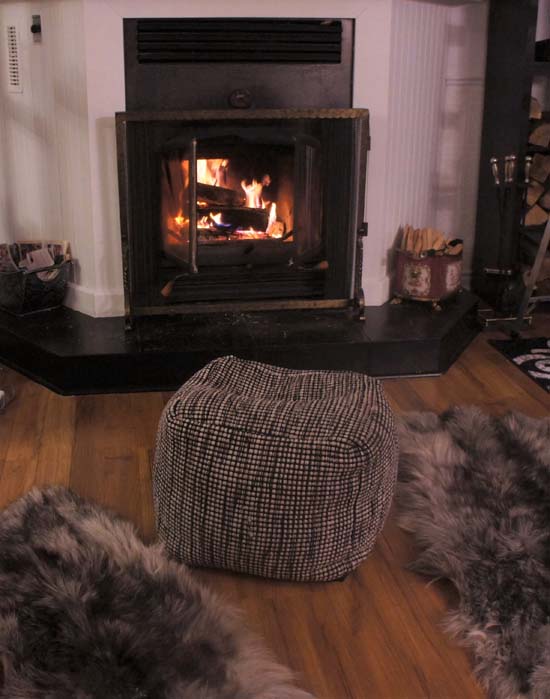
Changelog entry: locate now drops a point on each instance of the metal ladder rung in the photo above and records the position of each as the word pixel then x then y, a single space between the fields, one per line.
pixel 529 301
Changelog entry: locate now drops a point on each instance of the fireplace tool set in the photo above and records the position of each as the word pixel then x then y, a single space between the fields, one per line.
pixel 508 283
pixel 513 287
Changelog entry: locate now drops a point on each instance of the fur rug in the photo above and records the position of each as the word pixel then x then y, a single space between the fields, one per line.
pixel 88 611
pixel 475 492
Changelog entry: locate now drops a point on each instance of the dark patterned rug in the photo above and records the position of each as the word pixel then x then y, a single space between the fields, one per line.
pixel 531 355
pixel 474 490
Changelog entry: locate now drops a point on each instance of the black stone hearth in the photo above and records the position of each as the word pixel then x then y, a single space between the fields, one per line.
pixel 72 353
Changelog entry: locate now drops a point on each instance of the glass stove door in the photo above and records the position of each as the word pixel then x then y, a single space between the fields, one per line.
pixel 178 206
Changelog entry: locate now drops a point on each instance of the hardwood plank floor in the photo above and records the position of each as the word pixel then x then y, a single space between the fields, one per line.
pixel 376 635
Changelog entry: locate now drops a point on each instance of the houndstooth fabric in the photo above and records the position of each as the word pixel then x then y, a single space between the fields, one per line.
pixel 275 472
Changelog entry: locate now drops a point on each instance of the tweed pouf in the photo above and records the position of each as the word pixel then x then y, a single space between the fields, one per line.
pixel 87 611
pixel 275 472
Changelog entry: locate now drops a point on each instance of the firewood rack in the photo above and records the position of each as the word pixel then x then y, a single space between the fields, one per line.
pixel 529 299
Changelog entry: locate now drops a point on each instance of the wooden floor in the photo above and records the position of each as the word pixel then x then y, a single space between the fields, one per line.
pixel 374 636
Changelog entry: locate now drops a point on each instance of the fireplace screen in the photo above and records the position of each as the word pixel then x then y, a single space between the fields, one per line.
pixel 232 202
pixel 240 210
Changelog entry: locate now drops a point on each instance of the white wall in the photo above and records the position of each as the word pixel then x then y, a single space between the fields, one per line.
pixel 432 130
pixel 418 59
pixel 44 150
pixel 404 50
pixel 29 157
pixel 456 176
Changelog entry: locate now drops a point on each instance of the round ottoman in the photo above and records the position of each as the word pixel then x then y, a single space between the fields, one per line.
pixel 275 472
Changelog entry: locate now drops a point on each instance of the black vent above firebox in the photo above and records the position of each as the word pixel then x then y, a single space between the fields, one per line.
pixel 309 41
pixel 181 63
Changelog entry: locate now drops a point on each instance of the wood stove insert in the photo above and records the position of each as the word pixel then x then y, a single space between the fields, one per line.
pixel 234 209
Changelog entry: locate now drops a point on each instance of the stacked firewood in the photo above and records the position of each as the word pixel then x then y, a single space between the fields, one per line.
pixel 423 242
pixel 538 190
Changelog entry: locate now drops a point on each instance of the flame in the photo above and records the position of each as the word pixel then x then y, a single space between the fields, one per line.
pixel 213 221
pixel 253 192
pixel 250 233
pixel 209 222
pixel 175 225
pixel 212 171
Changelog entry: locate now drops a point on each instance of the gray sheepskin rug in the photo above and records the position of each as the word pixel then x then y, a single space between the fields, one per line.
pixel 475 492
pixel 88 611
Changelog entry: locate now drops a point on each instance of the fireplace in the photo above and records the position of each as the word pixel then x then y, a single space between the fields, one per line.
pixel 225 209
pixel 248 207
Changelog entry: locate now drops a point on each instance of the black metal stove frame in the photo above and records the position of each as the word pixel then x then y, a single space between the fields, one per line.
pixel 344 140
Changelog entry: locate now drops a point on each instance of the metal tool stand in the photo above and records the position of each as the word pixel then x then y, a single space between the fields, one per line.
pixel 505 194
pixel 529 301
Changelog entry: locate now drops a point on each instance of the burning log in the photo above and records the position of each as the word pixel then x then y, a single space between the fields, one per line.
pixel 238 217
pixel 276 229
pixel 219 196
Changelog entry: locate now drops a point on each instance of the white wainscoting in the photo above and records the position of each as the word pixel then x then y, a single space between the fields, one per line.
pixel 455 193
pixel 44 148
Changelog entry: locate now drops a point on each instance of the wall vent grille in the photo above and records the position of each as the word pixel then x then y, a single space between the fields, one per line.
pixel 14 67
pixel 309 41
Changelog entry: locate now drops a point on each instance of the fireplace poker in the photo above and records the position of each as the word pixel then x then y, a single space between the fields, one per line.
pixel 512 161
pixel 495 170
pixel 501 207
pixel 504 193
pixel 510 289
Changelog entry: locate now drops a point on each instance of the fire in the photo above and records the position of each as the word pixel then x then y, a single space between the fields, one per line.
pixel 250 233
pixel 176 224
pixel 210 221
pixel 275 229
pixel 227 215
pixel 254 190
pixel 212 171
pixel 253 233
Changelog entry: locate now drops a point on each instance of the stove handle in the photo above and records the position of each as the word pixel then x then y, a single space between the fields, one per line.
pixel 193 208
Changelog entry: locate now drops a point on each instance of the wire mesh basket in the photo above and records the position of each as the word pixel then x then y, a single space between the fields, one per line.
pixel 23 291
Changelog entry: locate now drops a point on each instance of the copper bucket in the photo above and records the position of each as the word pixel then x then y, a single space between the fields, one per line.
pixel 431 278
